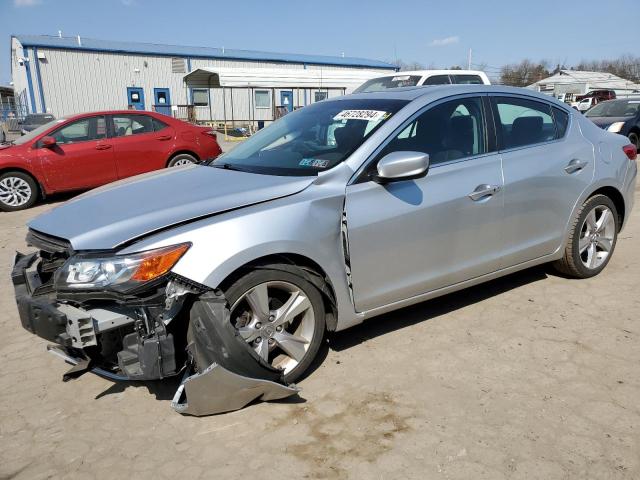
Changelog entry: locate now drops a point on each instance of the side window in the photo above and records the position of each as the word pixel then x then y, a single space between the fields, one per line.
pixel 437 80
pixel 200 97
pixel 319 96
pixel 562 121
pixel 125 125
pixel 523 122
pixel 158 125
pixel 91 128
pixel 467 79
pixel 449 131
pixel 262 99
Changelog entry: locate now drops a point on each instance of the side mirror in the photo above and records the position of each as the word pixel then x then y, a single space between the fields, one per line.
pixel 48 142
pixel 398 166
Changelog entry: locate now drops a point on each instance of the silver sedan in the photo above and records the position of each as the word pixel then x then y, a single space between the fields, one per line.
pixel 340 211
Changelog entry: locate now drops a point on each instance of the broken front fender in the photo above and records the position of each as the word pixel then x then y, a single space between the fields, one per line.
pixel 230 373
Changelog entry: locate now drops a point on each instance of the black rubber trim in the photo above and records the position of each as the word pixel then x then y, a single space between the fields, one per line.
pixel 214 340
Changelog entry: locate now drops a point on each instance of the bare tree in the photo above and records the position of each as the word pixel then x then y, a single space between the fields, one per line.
pixel 627 67
pixel 413 65
pixel 524 73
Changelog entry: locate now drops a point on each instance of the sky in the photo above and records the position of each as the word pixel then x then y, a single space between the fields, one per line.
pixel 434 33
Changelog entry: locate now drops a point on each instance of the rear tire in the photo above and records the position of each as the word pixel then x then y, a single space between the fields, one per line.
pixel 181 160
pixel 592 239
pixel 18 191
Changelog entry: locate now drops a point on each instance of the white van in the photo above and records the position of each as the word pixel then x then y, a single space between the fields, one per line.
pixel 424 77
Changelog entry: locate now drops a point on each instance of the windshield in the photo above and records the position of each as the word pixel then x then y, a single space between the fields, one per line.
pixel 312 139
pixel 384 83
pixel 38 131
pixel 615 108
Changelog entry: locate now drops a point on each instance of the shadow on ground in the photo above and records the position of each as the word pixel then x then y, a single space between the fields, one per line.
pixel 405 317
pixel 436 307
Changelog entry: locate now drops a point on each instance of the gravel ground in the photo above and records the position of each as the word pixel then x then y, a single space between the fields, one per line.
pixel 532 376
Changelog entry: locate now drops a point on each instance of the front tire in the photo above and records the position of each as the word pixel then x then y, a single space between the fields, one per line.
pixel 635 139
pixel 280 315
pixel 18 191
pixel 592 239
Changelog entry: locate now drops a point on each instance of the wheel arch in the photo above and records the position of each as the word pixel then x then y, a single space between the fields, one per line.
pixel 616 197
pixel 315 275
pixel 41 190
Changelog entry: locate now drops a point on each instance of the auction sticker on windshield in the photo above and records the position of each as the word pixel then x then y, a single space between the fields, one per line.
pixel 367 115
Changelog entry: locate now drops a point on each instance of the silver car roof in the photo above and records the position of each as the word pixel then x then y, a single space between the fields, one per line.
pixel 436 92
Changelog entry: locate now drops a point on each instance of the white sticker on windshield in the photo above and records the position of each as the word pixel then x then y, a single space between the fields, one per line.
pixel 400 78
pixel 367 115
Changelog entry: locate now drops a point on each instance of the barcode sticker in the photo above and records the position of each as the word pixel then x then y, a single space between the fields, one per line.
pixel 367 115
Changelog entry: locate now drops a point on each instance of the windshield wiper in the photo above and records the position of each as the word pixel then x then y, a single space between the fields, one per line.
pixel 227 166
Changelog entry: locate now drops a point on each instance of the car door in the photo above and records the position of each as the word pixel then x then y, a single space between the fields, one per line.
pixel 82 156
pixel 414 236
pixel 547 164
pixel 138 146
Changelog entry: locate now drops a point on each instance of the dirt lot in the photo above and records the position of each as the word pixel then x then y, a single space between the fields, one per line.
pixel 528 377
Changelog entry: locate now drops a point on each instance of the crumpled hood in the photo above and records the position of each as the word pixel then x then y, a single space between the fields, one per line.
pixel 122 211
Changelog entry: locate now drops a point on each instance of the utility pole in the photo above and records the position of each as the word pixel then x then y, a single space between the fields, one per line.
pixel 469 61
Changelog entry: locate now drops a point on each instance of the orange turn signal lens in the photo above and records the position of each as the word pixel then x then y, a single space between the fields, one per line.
pixel 159 262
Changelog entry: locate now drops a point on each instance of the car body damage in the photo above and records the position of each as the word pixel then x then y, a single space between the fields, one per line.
pixel 138 338
pixel 229 373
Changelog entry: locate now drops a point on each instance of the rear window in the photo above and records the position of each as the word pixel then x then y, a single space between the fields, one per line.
pixel 467 79
pixel 437 80
pixel 384 83
pixel 158 125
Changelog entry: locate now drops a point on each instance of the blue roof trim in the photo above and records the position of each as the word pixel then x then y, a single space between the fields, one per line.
pixel 90 44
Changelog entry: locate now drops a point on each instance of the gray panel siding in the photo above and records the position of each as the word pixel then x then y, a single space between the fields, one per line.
pixel 79 81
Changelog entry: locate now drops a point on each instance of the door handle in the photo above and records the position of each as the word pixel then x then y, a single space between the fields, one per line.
pixel 575 166
pixel 483 191
pixel 103 146
pixel 164 137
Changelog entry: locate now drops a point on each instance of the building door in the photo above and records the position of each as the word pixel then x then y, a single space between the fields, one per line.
pixel 162 100
pixel 135 98
pixel 286 99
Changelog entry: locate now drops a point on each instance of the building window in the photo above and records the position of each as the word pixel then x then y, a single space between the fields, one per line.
pixel 319 96
pixel 200 97
pixel 263 99
pixel 178 65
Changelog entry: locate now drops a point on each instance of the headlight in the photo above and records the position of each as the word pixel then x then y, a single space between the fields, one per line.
pixel 118 272
pixel 615 127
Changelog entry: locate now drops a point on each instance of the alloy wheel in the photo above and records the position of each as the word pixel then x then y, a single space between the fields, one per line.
pixel 183 161
pixel 14 191
pixel 596 237
pixel 278 320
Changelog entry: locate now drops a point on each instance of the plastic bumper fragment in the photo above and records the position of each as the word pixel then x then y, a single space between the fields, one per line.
pixel 230 373
pixel 217 390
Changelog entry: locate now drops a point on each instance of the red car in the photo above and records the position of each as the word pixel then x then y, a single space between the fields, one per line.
pixel 91 149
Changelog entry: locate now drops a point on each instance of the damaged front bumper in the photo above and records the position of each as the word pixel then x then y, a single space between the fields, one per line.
pixel 140 340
